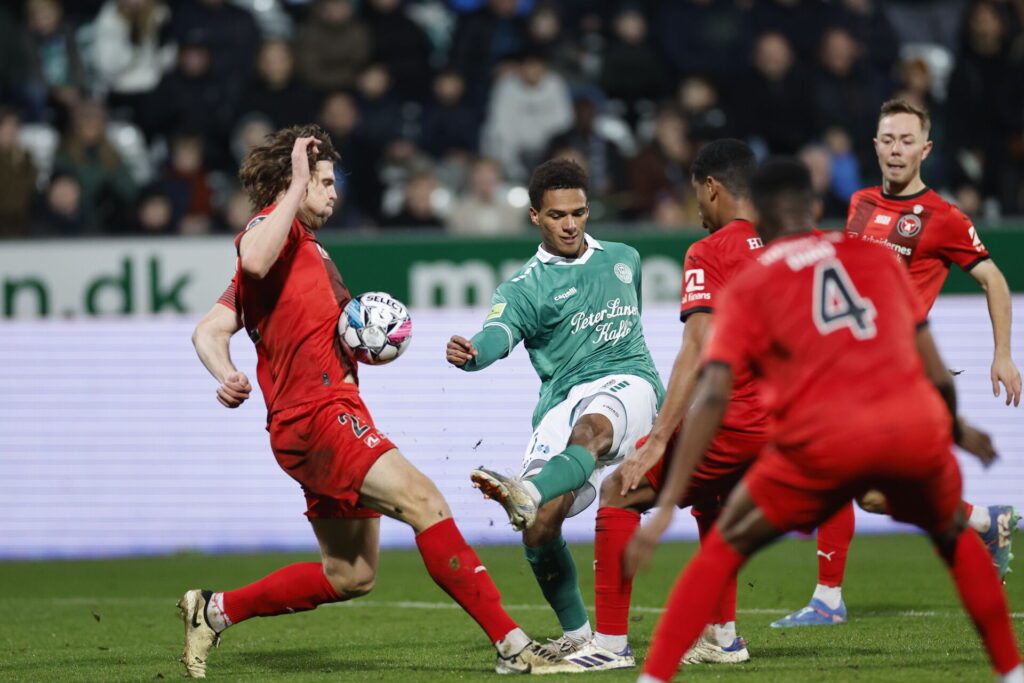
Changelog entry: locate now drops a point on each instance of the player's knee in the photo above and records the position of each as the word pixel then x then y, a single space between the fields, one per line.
pixel 423 505
pixel 874 502
pixel 945 540
pixel 594 432
pixel 348 581
pixel 611 490
pixel 548 525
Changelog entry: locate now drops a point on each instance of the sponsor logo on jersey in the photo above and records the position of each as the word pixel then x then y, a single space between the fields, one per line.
pixel 323 252
pixel 975 240
pixel 606 329
pixel 496 311
pixel 883 219
pixel 255 221
pixel 693 280
pixel 624 272
pixel 755 243
pixel 908 225
pixel 566 294
pixel 372 441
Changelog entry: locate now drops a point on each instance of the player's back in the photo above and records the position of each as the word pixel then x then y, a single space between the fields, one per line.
pixel 830 332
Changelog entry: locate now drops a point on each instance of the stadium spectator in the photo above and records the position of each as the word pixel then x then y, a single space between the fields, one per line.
pixel 605 160
pixel 819 162
pixel 55 76
pixel 703 36
pixel 701 105
pixel 131 51
pixel 332 46
pixel 154 213
pixel 230 32
pixel 86 154
pixel 192 98
pixel 776 104
pixel 17 178
pixel 402 46
pixel 866 21
pixel 63 212
pixel 800 21
pixel 529 105
pixel 340 116
pixel 186 185
pixel 484 38
pixel 632 70
pixel 662 166
pixel 546 36
pixel 450 123
pixel 484 208
pixel 418 206
pixel 274 91
pixel 13 61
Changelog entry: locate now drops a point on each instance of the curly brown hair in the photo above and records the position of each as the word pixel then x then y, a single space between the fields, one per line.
pixel 267 169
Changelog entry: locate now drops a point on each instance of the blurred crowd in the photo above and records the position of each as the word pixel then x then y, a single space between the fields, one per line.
pixel 131 116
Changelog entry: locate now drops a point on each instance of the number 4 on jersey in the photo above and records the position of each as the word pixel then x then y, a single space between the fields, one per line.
pixel 838 304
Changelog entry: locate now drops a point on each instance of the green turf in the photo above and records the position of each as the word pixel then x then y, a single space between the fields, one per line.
pixel 115 620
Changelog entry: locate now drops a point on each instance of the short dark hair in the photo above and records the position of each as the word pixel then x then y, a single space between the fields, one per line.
pixel 729 161
pixel 898 106
pixel 556 174
pixel 780 178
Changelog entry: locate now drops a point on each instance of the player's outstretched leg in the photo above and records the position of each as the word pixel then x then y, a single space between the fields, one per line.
pixel 826 607
pixel 982 595
pixel 995 524
pixel 512 494
pixel 719 643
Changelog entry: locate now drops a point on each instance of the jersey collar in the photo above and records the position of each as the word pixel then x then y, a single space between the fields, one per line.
pixel 551 259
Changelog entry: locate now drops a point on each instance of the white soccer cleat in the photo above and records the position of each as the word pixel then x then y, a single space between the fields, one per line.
pixel 592 657
pixel 511 494
pixel 566 645
pixel 199 636
pixel 707 651
pixel 533 659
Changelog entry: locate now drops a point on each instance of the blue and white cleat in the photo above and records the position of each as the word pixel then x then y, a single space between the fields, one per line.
pixel 707 651
pixel 999 537
pixel 592 657
pixel 816 613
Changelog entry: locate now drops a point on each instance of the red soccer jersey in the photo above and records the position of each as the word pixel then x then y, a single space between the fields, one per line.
pixel 926 232
pixel 291 316
pixel 710 264
pixel 827 325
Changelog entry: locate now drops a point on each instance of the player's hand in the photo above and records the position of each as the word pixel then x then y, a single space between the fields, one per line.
pixel 641 547
pixel 300 160
pixel 234 390
pixel 637 463
pixel 1003 370
pixel 459 351
pixel 976 442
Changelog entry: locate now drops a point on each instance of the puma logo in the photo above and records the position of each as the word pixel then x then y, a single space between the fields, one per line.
pixel 827 556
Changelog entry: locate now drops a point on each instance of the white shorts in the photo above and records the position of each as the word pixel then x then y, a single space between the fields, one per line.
pixel 630 404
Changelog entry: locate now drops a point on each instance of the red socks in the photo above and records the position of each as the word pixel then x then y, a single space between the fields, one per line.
pixel 726 611
pixel 968 509
pixel 691 604
pixel 615 527
pixel 295 588
pixel 834 538
pixel 983 598
pixel 455 567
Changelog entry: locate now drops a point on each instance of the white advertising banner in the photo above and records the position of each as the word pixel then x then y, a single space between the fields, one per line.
pixel 112 442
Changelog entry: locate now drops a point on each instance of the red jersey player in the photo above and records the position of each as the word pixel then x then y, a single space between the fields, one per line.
pixel 928 235
pixel 814 320
pixel 720 177
pixel 288 294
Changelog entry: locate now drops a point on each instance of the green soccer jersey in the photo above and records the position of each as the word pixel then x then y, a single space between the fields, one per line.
pixel 578 318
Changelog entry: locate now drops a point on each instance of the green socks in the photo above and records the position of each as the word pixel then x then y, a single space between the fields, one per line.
pixel 555 570
pixel 563 473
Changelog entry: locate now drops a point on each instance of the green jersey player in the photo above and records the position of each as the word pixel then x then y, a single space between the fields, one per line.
pixel 576 307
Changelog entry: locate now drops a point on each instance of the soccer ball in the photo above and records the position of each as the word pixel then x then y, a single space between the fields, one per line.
pixel 376 327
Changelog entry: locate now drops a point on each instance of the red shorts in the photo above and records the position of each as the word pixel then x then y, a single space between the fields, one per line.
pixel 328 448
pixel 728 457
pixel 913 467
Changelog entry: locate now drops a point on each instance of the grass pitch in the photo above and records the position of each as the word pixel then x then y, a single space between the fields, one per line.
pixel 116 621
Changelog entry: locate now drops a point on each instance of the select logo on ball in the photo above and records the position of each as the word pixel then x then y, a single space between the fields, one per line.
pixel 376 327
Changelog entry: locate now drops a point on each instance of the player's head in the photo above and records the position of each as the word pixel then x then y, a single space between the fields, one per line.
pixel 783 198
pixel 902 143
pixel 558 206
pixel 266 173
pixel 720 174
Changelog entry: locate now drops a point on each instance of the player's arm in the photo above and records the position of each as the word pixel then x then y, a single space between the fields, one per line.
pixel 972 440
pixel 212 341
pixel 261 244
pixel 678 394
pixel 508 322
pixel 997 294
pixel 702 423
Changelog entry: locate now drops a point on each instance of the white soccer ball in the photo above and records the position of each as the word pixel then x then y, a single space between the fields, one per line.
pixel 376 327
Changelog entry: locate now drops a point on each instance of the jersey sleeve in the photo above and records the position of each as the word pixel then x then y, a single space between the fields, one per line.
pixel 509 321
pixel 702 280
pixel 735 329
pixel 230 297
pixel 960 241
